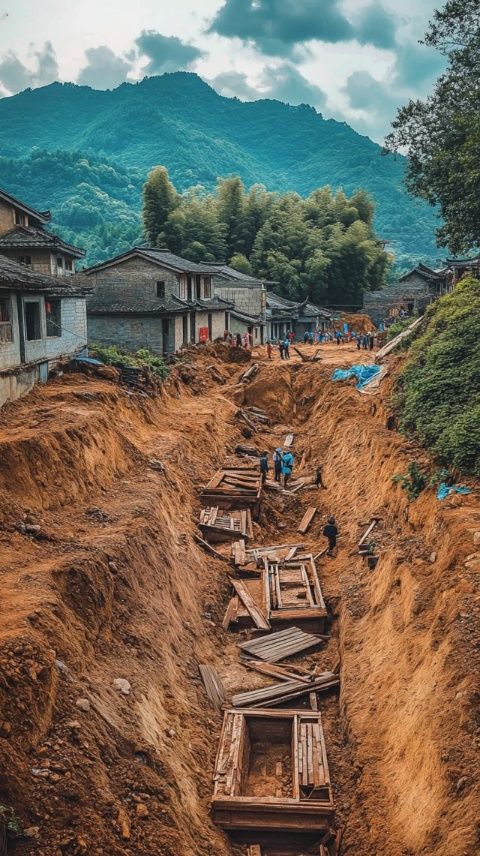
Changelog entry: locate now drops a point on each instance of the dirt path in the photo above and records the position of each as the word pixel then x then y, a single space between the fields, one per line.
pixel 113 586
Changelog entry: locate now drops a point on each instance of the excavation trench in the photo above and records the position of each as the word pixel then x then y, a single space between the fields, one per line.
pixel 113 586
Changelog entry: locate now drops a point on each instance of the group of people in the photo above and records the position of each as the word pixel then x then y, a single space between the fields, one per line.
pixel 283 464
pixel 365 341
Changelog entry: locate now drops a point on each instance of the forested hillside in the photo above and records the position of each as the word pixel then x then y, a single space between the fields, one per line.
pixel 71 148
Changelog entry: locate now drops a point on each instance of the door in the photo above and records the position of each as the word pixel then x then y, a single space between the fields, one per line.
pixel 185 329
pixel 210 326
pixel 193 332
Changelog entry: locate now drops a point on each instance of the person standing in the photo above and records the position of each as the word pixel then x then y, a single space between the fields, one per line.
pixel 281 348
pixel 371 340
pixel 287 466
pixel 286 347
pixel 269 349
pixel 239 340
pixel 277 464
pixel 264 466
pixel 330 531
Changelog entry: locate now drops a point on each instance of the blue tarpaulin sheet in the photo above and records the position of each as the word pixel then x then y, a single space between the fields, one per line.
pixel 445 490
pixel 363 374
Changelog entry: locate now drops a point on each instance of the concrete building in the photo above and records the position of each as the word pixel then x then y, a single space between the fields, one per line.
pixel 43 322
pixel 300 317
pixel 409 296
pixel 151 298
pixel 24 239
pixel 249 297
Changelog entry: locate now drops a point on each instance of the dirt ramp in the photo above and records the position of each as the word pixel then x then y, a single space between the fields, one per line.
pixel 271 390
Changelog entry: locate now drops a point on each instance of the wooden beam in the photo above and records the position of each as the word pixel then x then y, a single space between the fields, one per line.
pixel 306 520
pixel 209 549
pixel 213 684
pixel 252 608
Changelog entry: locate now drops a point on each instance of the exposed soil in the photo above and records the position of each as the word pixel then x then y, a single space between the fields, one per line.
pixel 102 580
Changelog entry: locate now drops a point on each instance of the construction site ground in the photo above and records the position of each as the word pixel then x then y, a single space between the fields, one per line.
pixel 108 605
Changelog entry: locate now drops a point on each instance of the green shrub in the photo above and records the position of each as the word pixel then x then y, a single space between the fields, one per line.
pixel 413 481
pixel 438 392
pixel 113 356
pixel 12 821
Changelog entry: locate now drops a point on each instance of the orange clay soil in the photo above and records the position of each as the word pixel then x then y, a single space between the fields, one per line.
pixel 112 586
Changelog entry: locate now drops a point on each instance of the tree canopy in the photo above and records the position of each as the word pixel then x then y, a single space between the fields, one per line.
pixel 441 135
pixel 323 247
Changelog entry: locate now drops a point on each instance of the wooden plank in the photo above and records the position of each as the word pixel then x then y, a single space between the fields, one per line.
pixel 367 533
pixel 275 671
pixel 231 613
pixel 306 520
pixel 279 645
pixel 213 685
pixel 252 608
pixel 291 553
pixel 288 440
pixel 254 850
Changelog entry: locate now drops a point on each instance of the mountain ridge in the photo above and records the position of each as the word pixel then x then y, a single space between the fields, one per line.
pixel 178 120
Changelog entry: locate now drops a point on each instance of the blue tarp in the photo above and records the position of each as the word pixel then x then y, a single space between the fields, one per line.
pixel 445 490
pixel 363 374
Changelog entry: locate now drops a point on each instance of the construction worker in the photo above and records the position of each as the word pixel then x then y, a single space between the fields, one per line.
pixel 287 466
pixel 269 349
pixel 264 466
pixel 277 463
pixel 331 531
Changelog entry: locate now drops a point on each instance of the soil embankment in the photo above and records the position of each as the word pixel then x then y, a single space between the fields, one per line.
pixel 101 580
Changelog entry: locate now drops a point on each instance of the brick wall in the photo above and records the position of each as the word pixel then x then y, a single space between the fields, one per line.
pixel 73 332
pixel 414 290
pixel 247 298
pixel 132 281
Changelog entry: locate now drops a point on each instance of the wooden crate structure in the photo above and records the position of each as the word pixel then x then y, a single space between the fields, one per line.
pixel 287 591
pixel 220 525
pixel 271 772
pixel 234 487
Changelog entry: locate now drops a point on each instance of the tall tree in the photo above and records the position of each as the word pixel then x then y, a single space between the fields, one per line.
pixel 441 135
pixel 230 207
pixel 159 200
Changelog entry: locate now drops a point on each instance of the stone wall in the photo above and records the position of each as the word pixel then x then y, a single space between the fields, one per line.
pixel 250 299
pixel 73 332
pixel 127 332
pixel 132 281
pixel 10 351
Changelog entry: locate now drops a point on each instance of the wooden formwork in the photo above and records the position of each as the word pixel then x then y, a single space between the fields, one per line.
pixel 271 772
pixel 217 525
pixel 233 487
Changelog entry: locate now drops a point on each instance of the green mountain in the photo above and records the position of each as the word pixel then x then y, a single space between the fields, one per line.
pixel 85 154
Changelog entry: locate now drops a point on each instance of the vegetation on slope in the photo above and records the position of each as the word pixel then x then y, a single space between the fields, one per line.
pixel 179 121
pixel 439 388
pixel 323 247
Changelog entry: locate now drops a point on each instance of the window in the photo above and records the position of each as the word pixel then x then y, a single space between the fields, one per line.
pixel 5 321
pixel 24 260
pixel 68 264
pixel 182 293
pixel 32 320
pixel 59 262
pixel 53 314
pixel 198 291
pixel 20 219
pixel 161 289
pixel 207 286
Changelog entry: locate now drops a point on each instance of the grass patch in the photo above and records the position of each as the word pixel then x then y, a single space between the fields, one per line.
pixel 113 356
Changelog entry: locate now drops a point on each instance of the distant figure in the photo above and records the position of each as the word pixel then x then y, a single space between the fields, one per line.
pixel 286 348
pixel 359 341
pixel 319 478
pixel 310 337
pixel 330 531
pixel 371 340
pixel 269 349
pixel 287 466
pixel 239 340
pixel 305 338
pixel 277 463
pixel 281 348
pixel 291 336
pixel 264 466
pixel 338 336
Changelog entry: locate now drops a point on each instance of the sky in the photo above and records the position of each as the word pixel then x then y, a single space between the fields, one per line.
pixel 353 60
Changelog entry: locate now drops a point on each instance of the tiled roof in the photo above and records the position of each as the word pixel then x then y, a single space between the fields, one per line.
pixel 42 216
pixel 276 303
pixel 31 237
pixel 256 320
pixel 225 272
pixel 163 258
pixel 170 305
pixel 16 277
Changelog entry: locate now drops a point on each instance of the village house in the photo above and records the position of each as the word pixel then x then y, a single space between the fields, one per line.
pixel 249 297
pixel 24 239
pixel 152 298
pixel 414 291
pixel 298 316
pixel 43 323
